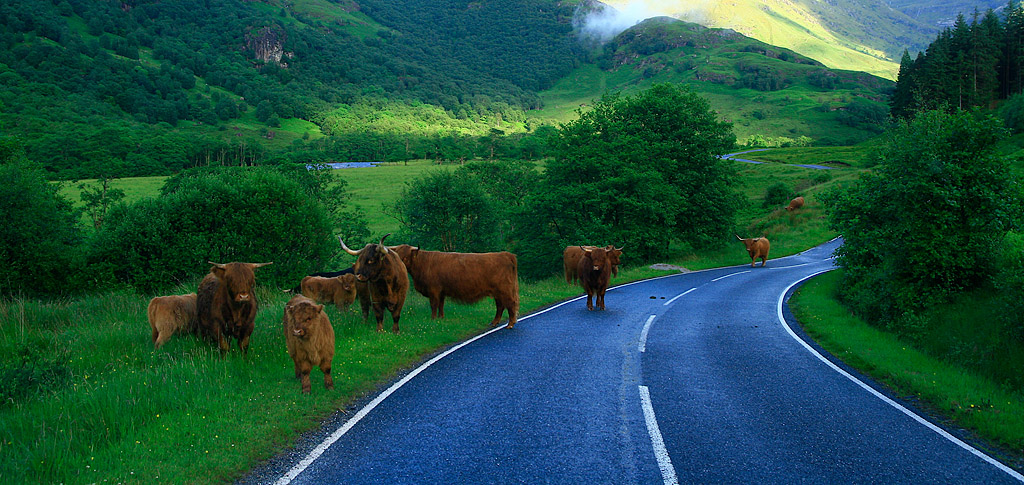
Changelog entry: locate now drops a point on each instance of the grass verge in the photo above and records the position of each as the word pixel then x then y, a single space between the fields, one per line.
pixel 992 411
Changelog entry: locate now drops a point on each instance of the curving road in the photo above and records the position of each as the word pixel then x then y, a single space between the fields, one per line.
pixel 690 378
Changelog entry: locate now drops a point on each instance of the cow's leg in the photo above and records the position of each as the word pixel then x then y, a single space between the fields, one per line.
pixel 396 313
pixel 298 370
pixel 243 343
pixel 159 339
pixel 304 369
pixel 764 261
pixel 440 306
pixel 328 380
pixel 435 306
pixel 378 311
pixel 590 301
pixel 499 308
pixel 512 306
pixel 222 341
pixel 600 298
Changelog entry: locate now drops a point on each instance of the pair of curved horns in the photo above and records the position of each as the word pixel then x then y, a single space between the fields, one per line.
pixel 254 265
pixel 357 253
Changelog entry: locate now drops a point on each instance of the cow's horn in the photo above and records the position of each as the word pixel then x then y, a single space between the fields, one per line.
pixel 382 242
pixel 260 265
pixel 738 237
pixel 221 266
pixel 347 250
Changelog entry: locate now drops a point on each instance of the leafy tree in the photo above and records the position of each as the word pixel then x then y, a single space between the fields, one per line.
pixel 509 184
pixel 40 235
pixel 925 224
pixel 637 171
pixel 446 211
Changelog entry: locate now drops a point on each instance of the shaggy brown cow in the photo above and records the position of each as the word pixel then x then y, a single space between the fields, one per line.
pixel 571 259
pixel 795 204
pixel 169 314
pixel 340 290
pixel 595 271
pixel 310 339
pixel 386 279
pixel 226 305
pixel 464 277
pixel 757 248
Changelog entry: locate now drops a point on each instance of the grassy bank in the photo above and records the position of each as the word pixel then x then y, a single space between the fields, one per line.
pixel 972 400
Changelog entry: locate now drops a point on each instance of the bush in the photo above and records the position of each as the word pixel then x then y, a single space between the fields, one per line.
pixel 242 214
pixel 926 224
pixel 1009 284
pixel 777 194
pixel 40 235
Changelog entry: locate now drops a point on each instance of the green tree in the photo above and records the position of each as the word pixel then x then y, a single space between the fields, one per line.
pixel 638 171
pixel 40 235
pixel 98 199
pixel 925 224
pixel 446 211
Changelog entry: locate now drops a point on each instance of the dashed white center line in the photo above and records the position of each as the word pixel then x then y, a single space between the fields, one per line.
pixel 667 303
pixel 643 334
pixel 728 275
pixel 668 473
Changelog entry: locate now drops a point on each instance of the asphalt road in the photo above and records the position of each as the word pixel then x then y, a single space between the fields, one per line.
pixel 691 378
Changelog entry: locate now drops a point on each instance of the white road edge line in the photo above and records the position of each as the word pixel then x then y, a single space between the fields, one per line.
pixel 728 275
pixel 941 432
pixel 326 443
pixel 668 473
pixel 667 303
pixel 643 334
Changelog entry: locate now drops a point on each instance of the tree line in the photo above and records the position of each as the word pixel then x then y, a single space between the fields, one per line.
pixel 975 64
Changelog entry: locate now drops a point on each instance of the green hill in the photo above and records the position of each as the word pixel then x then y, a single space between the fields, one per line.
pixel 770 94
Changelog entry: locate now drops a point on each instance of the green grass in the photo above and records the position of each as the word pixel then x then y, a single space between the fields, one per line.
pixel 973 401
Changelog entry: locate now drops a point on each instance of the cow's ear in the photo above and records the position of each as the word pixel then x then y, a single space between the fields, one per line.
pixel 218 271
pixel 319 308
pixel 414 251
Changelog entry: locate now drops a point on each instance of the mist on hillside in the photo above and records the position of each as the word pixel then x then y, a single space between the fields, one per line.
pixel 598 22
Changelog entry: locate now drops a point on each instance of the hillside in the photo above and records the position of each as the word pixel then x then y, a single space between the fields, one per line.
pixel 111 88
pixel 942 13
pixel 773 96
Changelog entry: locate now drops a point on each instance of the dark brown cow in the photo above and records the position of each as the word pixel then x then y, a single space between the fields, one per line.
pixel 386 279
pixel 464 277
pixel 170 314
pixel 226 305
pixel 595 271
pixel 340 290
pixel 795 204
pixel 571 259
pixel 757 248
pixel 309 336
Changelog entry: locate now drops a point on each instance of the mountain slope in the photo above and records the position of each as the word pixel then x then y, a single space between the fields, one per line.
pixel 772 95
pixel 864 35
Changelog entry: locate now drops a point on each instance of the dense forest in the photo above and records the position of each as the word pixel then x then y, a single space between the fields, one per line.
pixel 976 64
pixel 134 88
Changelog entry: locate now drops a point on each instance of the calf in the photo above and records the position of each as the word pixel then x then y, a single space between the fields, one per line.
pixel 795 204
pixel 595 271
pixel 464 277
pixel 226 304
pixel 310 339
pixel 757 248
pixel 340 290
pixel 169 314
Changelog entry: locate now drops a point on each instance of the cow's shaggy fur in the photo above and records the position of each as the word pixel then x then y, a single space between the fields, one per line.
pixel 309 337
pixel 170 314
pixel 757 248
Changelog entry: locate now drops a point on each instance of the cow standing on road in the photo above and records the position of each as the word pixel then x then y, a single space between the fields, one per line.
pixel 464 277
pixel 571 259
pixel 386 279
pixel 226 304
pixel 595 271
pixel 757 248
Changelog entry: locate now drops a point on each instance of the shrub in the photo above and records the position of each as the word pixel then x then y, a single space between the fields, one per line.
pixel 241 214
pixel 777 194
pixel 446 211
